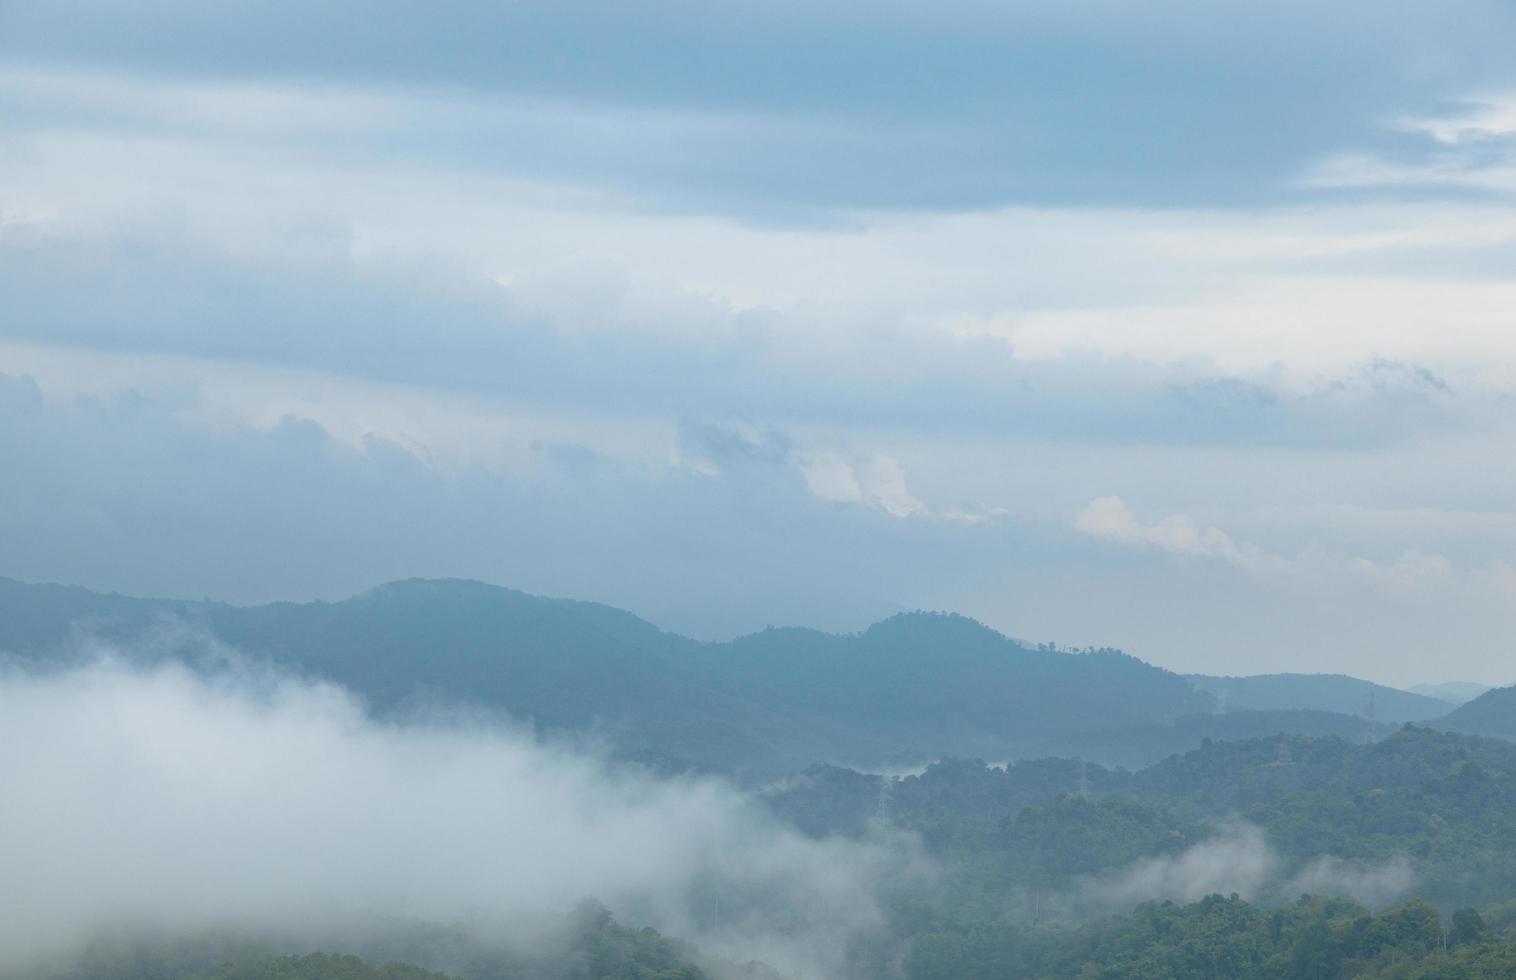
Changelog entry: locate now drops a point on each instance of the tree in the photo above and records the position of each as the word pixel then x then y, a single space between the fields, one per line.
pixel 1468 929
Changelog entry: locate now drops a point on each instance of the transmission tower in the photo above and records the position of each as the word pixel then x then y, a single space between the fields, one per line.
pixel 882 811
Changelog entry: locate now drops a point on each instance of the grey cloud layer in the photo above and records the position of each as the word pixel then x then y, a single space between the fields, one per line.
pixel 892 105
pixel 585 341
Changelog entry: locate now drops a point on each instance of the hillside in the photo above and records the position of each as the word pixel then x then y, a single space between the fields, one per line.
pixel 1453 692
pixel 913 687
pixel 1492 713
pixel 1318 692
pixel 1445 803
pixel 1142 745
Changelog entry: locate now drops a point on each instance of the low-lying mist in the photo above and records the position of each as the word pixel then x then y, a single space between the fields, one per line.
pixel 163 798
pixel 1239 860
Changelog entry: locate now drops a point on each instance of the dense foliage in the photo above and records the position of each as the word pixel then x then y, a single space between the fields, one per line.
pixel 320 966
pixel 588 945
pixel 1030 858
pixel 1223 938
pixel 1027 846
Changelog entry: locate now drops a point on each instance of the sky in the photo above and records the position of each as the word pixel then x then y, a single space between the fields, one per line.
pixel 1184 328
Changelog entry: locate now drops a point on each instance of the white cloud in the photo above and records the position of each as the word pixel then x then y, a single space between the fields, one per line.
pixel 1374 886
pixel 1240 860
pixel 1111 519
pixel 1411 572
pixel 883 482
pixel 241 171
pixel 829 476
pixel 875 481
pixel 1481 118
pixel 163 799
pixel 1237 860
pixel 1471 149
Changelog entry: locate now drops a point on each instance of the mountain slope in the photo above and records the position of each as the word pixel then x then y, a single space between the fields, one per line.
pixel 1453 692
pixel 946 683
pixel 912 687
pixel 1138 746
pixel 1318 692
pixel 1492 713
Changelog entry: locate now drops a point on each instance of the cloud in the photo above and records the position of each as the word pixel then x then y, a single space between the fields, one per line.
pixel 1239 860
pixel 954 272
pixel 1373 886
pixel 1109 518
pixel 139 492
pixel 1481 118
pixel 1413 571
pixel 1408 573
pixel 608 338
pixel 877 481
pixel 164 799
pixel 714 529
pixel 1470 147
pixel 1032 103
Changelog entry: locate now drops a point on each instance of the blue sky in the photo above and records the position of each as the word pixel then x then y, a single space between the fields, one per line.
pixel 1180 327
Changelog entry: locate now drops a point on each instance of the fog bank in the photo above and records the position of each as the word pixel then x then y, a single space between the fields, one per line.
pixel 1239 860
pixel 169 799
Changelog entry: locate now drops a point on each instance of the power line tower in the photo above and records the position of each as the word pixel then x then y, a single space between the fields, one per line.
pixel 1084 780
pixel 883 811
pixel 1369 732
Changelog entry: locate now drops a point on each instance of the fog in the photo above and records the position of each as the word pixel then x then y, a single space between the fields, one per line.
pixel 1239 860
pixel 165 798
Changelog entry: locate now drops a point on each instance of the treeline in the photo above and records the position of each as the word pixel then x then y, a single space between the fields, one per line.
pixel 589 945
pixel 1443 803
pixel 1223 938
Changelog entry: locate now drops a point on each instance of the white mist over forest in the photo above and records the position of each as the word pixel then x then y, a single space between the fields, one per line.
pixel 166 799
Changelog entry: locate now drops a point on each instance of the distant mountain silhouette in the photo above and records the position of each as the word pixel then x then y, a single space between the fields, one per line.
pixel 1318 692
pixel 1138 746
pixel 913 687
pixel 1453 692
pixel 1492 713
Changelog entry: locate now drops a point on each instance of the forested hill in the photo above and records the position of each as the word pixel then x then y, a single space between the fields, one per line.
pixel 1492 713
pixel 1319 692
pixel 913 687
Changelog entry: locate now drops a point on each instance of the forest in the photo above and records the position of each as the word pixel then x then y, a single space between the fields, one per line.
pixel 1078 813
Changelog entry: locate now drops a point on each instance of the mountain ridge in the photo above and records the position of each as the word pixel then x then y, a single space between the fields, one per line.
pixel 1339 693
pixel 1493 713
pixel 913 686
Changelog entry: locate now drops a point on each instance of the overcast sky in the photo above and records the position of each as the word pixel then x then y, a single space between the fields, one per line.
pixel 1188 328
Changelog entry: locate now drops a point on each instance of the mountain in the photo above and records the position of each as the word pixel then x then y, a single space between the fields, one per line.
pixel 1492 713
pixel 1453 692
pixel 1138 746
pixel 931 680
pixel 1318 692
pixel 913 687
pixel 1441 804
